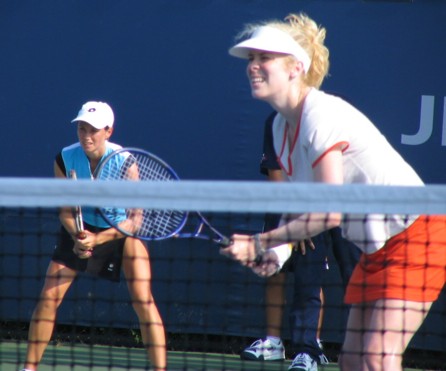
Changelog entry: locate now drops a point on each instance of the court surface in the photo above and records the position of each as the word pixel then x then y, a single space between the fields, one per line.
pixel 102 358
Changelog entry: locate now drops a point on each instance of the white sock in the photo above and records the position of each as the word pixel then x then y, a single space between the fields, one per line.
pixel 274 339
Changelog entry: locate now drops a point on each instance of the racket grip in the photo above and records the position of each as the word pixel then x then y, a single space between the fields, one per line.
pixel 258 259
pixel 81 235
pixel 225 242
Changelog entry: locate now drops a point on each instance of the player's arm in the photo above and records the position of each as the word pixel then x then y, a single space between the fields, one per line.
pixel 328 170
pixel 274 258
pixel 135 216
pixel 65 212
pixel 92 239
pixel 68 221
pixel 276 175
pixel 133 219
pixel 270 167
pixel 246 249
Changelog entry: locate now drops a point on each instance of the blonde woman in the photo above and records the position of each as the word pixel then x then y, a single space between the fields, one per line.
pixel 322 138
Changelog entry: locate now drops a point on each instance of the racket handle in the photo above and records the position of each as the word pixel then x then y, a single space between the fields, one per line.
pixel 81 235
pixel 225 242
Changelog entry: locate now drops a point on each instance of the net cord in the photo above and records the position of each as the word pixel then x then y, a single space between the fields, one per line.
pixel 224 196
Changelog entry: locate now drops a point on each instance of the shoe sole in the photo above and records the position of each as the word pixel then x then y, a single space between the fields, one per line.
pixel 252 357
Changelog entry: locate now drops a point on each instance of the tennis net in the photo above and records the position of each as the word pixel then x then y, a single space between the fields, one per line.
pixel 212 307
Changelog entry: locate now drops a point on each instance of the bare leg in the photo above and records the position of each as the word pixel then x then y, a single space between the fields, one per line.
pixel 275 301
pixel 137 271
pixel 321 316
pixel 351 357
pixel 58 280
pixel 378 334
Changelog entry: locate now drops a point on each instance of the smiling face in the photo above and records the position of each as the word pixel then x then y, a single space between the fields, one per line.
pixel 270 74
pixel 93 140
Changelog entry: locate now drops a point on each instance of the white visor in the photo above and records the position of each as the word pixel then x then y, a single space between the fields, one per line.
pixel 271 39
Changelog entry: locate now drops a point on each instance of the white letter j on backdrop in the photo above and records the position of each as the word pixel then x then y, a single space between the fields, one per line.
pixel 426 123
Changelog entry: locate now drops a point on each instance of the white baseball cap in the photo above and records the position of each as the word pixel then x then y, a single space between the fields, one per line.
pixel 97 114
pixel 271 39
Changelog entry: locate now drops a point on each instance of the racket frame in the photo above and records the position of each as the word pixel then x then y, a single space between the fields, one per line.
pixel 217 237
pixel 170 170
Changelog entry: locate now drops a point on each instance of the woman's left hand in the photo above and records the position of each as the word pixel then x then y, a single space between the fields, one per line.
pixel 81 251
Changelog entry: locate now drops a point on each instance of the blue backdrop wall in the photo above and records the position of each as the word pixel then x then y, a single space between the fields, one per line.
pixel 163 66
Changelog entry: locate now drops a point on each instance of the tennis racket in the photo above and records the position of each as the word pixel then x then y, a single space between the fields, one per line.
pixel 77 214
pixel 133 164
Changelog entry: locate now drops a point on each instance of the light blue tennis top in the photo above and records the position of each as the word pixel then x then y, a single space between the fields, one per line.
pixel 75 158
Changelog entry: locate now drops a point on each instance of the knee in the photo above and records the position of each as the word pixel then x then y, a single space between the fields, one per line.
pixel 376 362
pixel 368 361
pixel 45 310
pixel 143 307
pixel 349 362
pixel 50 298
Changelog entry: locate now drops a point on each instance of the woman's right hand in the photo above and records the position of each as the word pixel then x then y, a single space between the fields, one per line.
pixel 83 247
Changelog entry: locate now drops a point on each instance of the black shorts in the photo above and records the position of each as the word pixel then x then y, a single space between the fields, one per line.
pixel 105 262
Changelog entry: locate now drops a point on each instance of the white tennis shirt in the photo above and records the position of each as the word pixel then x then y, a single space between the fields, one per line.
pixel 368 158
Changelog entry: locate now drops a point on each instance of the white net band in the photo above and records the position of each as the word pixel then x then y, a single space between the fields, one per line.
pixel 225 196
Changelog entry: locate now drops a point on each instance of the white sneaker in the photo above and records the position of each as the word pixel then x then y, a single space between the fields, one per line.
pixel 323 360
pixel 264 350
pixel 303 362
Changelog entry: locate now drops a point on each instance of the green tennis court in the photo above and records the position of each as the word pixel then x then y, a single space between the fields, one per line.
pixel 102 358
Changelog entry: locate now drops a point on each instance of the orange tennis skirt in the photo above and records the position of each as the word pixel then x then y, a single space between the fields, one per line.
pixel 410 266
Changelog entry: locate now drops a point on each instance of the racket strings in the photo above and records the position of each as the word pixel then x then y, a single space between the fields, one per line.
pixel 138 165
pixel 160 223
pixel 152 170
pixel 157 223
